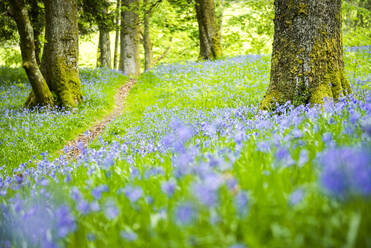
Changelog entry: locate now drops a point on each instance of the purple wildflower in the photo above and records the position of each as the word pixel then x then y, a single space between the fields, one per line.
pixel 168 187
pixel 133 193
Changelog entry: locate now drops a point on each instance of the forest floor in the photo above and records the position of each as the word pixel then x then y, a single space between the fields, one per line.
pixel 75 147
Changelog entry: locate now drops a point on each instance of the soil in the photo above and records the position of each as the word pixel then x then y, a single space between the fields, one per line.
pixel 74 148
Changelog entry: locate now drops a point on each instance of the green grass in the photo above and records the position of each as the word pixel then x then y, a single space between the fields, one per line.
pixel 28 133
pixel 242 177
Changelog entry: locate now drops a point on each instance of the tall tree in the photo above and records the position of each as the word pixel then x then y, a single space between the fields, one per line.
pixel 37 17
pixel 307 59
pixel 129 55
pixel 42 94
pixel 209 35
pixel 104 25
pixel 147 43
pixel 61 51
pixel 117 34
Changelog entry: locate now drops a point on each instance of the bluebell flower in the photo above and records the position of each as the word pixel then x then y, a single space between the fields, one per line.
pixel 296 197
pixel 133 193
pixel 110 209
pixel 129 235
pixel 346 172
pixel 65 221
pixel 241 203
pixel 185 213
pixel 168 187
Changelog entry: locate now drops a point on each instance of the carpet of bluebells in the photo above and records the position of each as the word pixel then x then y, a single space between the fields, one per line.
pixel 194 163
pixel 32 132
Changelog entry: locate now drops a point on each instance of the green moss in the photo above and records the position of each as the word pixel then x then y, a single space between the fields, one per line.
pixel 68 87
pixel 270 99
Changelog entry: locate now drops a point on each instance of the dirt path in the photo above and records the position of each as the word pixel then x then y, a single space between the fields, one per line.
pixel 74 147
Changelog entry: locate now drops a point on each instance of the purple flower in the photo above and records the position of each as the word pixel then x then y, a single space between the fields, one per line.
pixel 83 207
pixel 346 171
pixel 205 194
pixel 129 235
pixel 108 162
pixel 110 209
pixel 97 191
pixel 185 214
pixel 168 187
pixel 75 193
pixel 240 203
pixel 133 193
pixel 238 245
pixel 296 197
pixel 65 221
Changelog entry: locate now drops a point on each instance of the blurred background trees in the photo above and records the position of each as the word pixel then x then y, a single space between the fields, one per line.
pixel 170 28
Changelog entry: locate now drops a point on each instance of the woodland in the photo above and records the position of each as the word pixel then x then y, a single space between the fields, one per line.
pixel 185 123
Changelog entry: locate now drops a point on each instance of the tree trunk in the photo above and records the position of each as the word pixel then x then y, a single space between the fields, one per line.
pixel 37 18
pixel 60 56
pixel 210 47
pixel 104 49
pixel 117 34
pixel 129 55
pixel 147 43
pixel 307 59
pixel 42 95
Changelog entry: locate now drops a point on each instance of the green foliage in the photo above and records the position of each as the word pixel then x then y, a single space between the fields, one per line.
pixel 33 132
pixel 10 57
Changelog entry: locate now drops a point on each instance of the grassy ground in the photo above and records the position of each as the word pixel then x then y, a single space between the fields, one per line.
pixel 28 133
pixel 192 163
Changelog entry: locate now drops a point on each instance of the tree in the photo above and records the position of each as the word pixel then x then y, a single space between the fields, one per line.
pixel 209 35
pixel 147 43
pixel 41 91
pixel 129 55
pixel 117 29
pixel 104 24
pixel 60 55
pixel 307 59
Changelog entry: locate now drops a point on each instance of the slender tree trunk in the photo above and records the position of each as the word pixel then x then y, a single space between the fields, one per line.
pixel 104 49
pixel 37 18
pixel 147 43
pixel 61 51
pixel 307 59
pixel 42 94
pixel 220 18
pixel 129 55
pixel 117 34
pixel 210 47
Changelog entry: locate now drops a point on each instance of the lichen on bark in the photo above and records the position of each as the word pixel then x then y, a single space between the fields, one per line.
pixel 60 56
pixel 307 58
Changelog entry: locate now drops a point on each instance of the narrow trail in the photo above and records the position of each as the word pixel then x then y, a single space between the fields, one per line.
pixel 82 140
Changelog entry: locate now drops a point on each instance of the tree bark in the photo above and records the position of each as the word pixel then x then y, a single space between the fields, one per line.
pixel 60 56
pixel 117 34
pixel 307 59
pixel 129 55
pixel 210 46
pixel 147 43
pixel 104 49
pixel 37 18
pixel 42 95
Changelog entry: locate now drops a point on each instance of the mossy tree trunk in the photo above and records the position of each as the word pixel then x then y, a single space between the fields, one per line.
pixel 104 48
pixel 307 59
pixel 117 35
pixel 41 92
pixel 60 56
pixel 209 35
pixel 147 43
pixel 129 54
